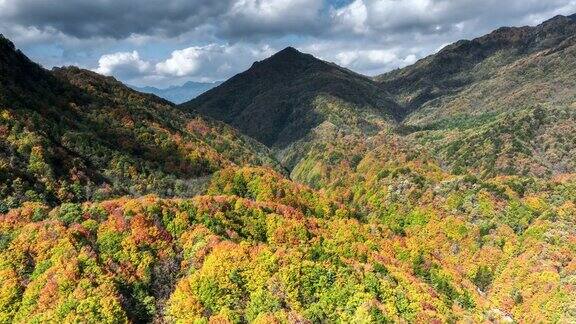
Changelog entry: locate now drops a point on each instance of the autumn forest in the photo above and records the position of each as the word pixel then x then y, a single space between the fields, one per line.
pixel 297 191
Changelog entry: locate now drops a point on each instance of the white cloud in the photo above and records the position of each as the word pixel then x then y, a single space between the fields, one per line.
pixel 276 10
pixel 125 64
pixel 6 8
pixel 189 60
pixel 442 16
pixel 367 59
pixel 32 34
pixel 374 61
pixel 211 61
pixel 352 17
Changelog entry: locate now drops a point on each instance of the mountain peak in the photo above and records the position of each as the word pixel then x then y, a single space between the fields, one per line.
pixel 289 59
pixel 289 50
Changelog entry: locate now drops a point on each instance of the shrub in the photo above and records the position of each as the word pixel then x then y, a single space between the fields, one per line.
pixel 69 213
pixel 483 277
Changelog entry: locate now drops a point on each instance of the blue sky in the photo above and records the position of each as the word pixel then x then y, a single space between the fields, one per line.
pixel 168 42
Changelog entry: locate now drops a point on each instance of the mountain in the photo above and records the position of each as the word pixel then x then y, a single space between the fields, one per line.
pixel 280 100
pixel 499 104
pixel 296 104
pixel 72 135
pixel 468 61
pixel 180 94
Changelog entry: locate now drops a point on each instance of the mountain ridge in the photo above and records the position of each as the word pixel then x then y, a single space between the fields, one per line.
pixel 438 74
pixel 487 105
pixel 296 104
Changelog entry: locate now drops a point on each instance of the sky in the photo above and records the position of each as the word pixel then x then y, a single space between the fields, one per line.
pixel 168 42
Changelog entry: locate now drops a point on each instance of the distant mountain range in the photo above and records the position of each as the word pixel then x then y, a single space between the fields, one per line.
pixel 180 94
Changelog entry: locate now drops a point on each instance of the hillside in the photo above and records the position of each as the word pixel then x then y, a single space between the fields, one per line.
pixel 73 135
pixel 180 94
pixel 499 104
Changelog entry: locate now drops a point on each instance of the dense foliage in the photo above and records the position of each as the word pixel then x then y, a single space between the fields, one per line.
pixel 263 249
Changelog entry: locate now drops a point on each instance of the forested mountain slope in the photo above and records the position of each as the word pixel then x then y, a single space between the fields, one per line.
pixel 422 247
pixel 500 104
pixel 73 135
pixel 293 100
pixel 281 99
